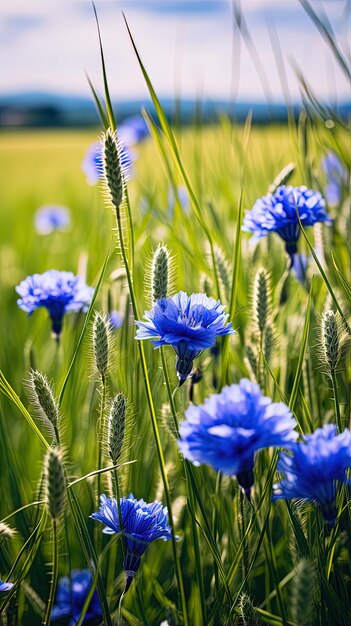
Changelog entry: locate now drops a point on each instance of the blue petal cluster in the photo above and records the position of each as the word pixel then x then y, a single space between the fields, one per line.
pixel 189 324
pixel 133 130
pixel 70 597
pixel 5 586
pixel 336 175
pixel 142 523
pixel 116 319
pixel 51 218
pixel 228 429
pixel 92 165
pixel 277 213
pixel 318 464
pixel 59 292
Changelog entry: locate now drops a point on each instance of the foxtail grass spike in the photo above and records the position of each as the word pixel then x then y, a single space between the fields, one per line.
pixel 101 341
pixel 43 398
pixel 283 177
pixel 303 593
pixel 223 270
pixel 113 174
pixel 268 341
pixel 160 270
pixel 261 299
pixel 55 484
pixel 330 340
pixel 248 611
pixel 116 426
pixel 6 532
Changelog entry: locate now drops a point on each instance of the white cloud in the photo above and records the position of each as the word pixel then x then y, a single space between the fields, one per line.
pixel 49 46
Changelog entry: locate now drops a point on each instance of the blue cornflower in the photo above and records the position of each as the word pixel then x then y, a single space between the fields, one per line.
pixel 189 324
pixel 70 597
pixel 5 586
pixel 183 197
pixel 133 130
pixel 277 213
pixel 228 429
pixel 92 165
pixel 59 292
pixel 336 178
pixel 51 218
pixel 318 464
pixel 116 319
pixel 142 523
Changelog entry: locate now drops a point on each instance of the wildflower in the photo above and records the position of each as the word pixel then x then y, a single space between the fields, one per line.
pixel 142 523
pixel 336 178
pixel 277 213
pixel 51 218
pixel 116 319
pixel 59 292
pixel 133 130
pixel 182 198
pixel 190 324
pixel 92 165
pixel 228 429
pixel 5 586
pixel 71 595
pixel 318 464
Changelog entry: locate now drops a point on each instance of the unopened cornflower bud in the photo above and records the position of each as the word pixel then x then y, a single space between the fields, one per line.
pixel 43 398
pixel 6 532
pixel 160 273
pixel 113 173
pixel 55 484
pixel 101 341
pixel 330 337
pixel 261 299
pixel 116 426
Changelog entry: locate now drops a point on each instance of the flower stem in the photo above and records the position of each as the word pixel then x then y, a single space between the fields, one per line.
pixel 50 603
pixel 101 429
pixel 191 499
pixel 154 424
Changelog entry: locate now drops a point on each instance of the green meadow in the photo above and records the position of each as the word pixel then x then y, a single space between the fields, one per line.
pixel 257 562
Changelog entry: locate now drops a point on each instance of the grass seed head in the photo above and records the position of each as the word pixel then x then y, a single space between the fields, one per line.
pixel 55 483
pixel 116 426
pixel 160 271
pixel 101 343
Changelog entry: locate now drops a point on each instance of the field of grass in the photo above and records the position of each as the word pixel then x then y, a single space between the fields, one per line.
pixel 278 555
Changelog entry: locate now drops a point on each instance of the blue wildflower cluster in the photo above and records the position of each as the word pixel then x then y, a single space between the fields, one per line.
pixel 59 292
pixel 277 213
pixel 336 175
pixel 51 218
pixel 319 463
pixel 189 324
pixel 71 594
pixel 230 427
pixel 142 523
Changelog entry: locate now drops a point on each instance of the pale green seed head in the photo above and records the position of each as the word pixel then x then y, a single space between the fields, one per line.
pixel 303 589
pixel 55 484
pixel 330 340
pixel 116 426
pixel 6 532
pixel 43 398
pixel 248 611
pixel 113 175
pixel 261 299
pixel 101 343
pixel 160 271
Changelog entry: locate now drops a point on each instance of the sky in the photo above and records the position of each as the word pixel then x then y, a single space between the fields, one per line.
pixel 190 48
